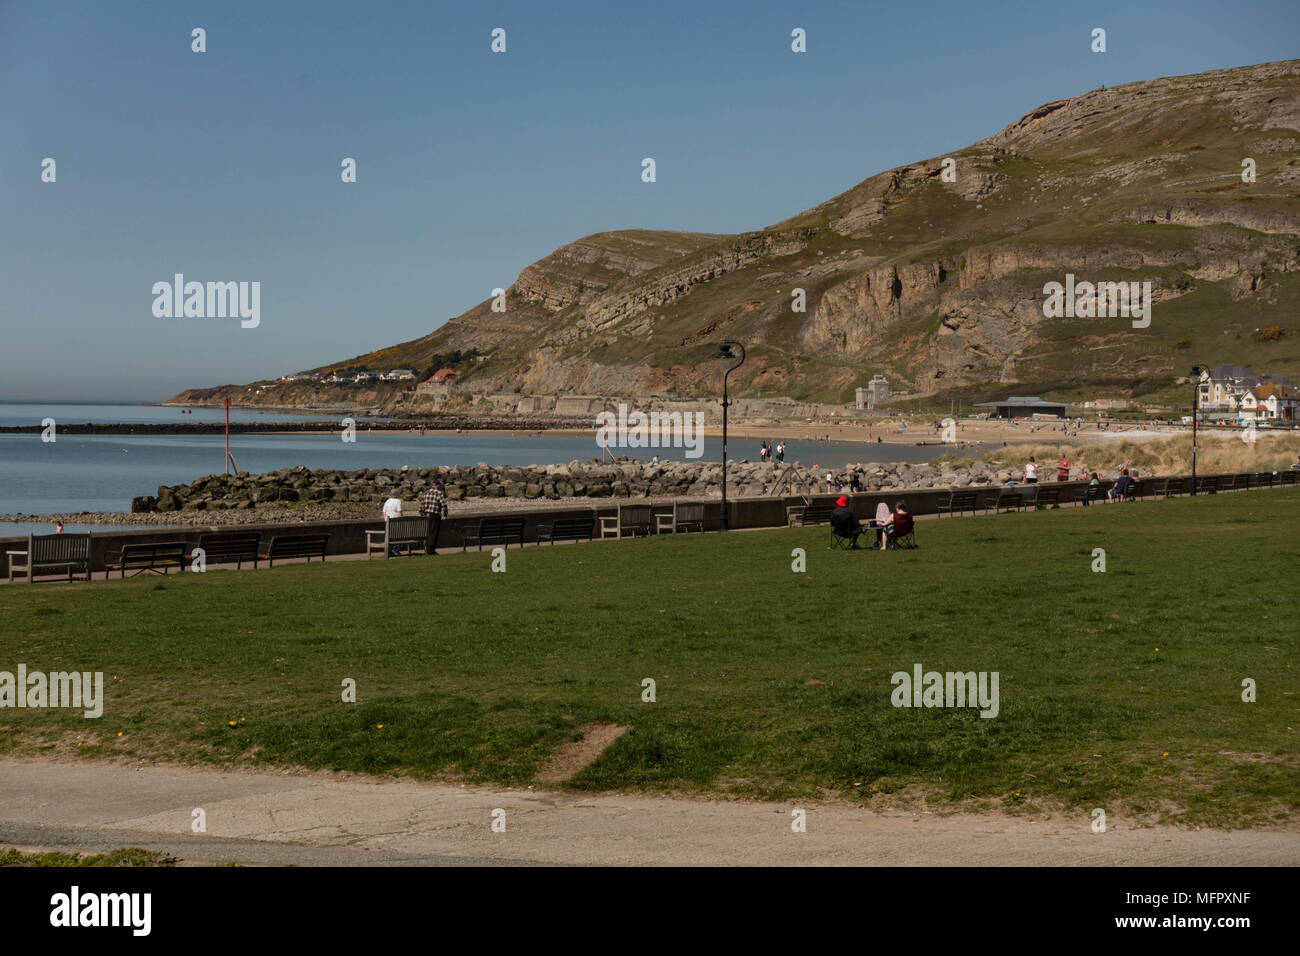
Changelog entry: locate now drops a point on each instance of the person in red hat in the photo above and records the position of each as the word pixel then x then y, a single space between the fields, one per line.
pixel 844 522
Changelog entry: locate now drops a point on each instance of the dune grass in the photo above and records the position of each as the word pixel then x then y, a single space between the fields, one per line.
pixel 1120 689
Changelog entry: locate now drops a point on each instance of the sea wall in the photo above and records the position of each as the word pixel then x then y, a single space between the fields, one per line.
pixel 595 479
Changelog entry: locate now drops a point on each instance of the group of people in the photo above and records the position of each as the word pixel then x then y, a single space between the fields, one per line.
pixel 432 505
pixel 888 525
pixel 774 452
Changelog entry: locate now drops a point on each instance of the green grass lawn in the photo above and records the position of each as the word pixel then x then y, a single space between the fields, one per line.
pixel 1120 690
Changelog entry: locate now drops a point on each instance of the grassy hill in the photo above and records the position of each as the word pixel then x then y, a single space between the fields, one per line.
pixel 936 279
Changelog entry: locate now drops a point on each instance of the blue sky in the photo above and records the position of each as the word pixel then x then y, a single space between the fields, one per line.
pixel 225 165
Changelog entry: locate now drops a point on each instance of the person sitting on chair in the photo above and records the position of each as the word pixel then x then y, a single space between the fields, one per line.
pixel 844 522
pixel 900 524
pixel 883 516
pixel 1122 484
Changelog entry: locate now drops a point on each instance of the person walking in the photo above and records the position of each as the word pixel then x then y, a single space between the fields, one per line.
pixel 433 505
pixel 763 452
pixel 1063 468
pixel 780 451
pixel 1031 471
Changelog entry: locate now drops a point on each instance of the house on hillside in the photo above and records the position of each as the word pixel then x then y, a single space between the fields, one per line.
pixel 398 375
pixel 1225 387
pixel 1270 401
pixel 439 383
pixel 363 378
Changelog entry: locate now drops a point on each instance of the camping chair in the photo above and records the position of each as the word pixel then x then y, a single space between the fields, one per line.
pixel 844 542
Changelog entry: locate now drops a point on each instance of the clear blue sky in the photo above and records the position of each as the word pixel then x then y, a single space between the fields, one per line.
pixel 225 165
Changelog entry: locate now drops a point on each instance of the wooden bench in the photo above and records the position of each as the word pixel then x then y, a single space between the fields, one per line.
pixel 682 518
pixel 1048 497
pixel 1287 477
pixel 1264 479
pixel 567 529
pixel 1091 493
pixel 1172 488
pixel 957 502
pixel 1207 486
pixel 815 515
pixel 630 519
pixel 1008 501
pixel 296 546
pixel 406 532
pixel 159 557
pixel 222 547
pixel 495 531
pixel 49 552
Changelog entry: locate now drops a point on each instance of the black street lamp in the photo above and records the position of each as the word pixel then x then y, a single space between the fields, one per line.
pixel 1196 376
pixel 724 352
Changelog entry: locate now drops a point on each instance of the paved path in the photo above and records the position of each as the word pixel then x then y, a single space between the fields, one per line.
pixel 314 818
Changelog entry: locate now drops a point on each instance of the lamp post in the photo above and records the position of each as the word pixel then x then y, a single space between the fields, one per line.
pixel 724 352
pixel 1196 377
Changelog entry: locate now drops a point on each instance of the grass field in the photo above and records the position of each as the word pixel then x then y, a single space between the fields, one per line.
pixel 1120 690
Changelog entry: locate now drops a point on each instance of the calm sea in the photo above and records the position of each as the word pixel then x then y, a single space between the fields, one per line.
pixel 104 472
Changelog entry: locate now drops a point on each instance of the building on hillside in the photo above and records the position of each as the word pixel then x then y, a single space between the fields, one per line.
pixel 874 395
pixel 1225 386
pixel 1024 406
pixel 1270 401
pixel 398 375
pixel 362 378
pixel 439 382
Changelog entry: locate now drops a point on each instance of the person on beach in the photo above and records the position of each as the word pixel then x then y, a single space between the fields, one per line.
pixel 780 451
pixel 433 505
pixel 763 452
pixel 58 527
pixel 1063 468
pixel 1031 471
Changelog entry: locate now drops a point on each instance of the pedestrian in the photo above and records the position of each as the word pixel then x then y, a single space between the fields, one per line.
pixel 392 509
pixel 433 505
pixel 780 451
pixel 1031 471
pixel 1063 468
pixel 763 452
pixel 58 527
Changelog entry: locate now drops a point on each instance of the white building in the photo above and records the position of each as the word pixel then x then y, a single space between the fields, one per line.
pixel 1271 401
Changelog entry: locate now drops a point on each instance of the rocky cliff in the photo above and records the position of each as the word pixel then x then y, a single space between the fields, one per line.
pixel 933 273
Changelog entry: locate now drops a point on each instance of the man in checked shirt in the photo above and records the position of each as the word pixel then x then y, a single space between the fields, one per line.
pixel 433 505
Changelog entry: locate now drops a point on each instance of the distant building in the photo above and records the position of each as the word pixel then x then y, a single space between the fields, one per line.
pixel 1024 406
pixel 439 383
pixel 1225 386
pixel 874 395
pixel 1270 401
pixel 363 377
pixel 398 375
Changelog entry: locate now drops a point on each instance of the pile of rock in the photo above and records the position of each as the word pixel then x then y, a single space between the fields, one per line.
pixel 595 479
